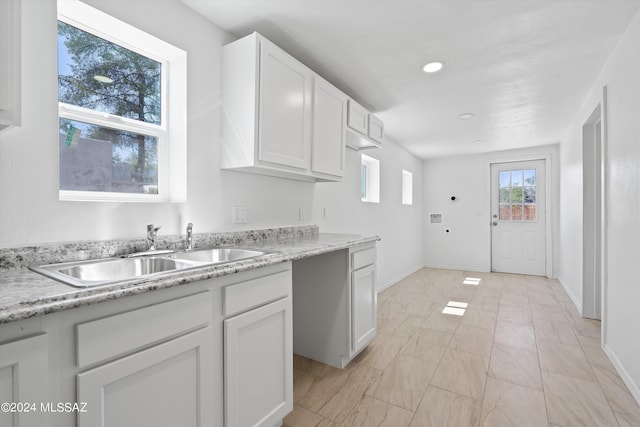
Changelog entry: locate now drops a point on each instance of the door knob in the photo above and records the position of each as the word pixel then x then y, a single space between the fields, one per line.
pixel 494 223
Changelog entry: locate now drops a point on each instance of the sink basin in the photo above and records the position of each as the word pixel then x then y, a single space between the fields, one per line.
pixel 92 273
pixel 111 270
pixel 217 255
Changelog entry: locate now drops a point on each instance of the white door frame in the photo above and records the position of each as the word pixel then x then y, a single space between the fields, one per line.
pixel 596 232
pixel 547 157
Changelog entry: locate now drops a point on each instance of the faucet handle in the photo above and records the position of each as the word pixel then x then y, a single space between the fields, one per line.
pixel 189 239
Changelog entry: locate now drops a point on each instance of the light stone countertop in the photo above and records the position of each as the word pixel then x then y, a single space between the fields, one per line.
pixel 25 294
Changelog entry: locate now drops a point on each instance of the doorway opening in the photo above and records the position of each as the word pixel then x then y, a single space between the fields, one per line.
pixel 593 221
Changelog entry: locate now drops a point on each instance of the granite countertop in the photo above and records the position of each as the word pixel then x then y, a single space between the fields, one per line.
pixel 25 294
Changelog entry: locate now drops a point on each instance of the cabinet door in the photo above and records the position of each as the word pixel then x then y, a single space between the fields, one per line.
pixel 363 307
pixel 329 116
pixel 169 385
pixel 23 379
pixel 259 366
pixel 357 117
pixel 285 108
pixel 376 129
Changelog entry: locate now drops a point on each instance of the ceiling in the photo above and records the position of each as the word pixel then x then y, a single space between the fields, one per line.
pixel 521 67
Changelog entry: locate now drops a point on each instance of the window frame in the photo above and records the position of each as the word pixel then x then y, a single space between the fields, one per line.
pixel 407 188
pixel 370 177
pixel 171 134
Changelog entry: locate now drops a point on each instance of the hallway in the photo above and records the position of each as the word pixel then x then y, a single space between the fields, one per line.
pixel 512 351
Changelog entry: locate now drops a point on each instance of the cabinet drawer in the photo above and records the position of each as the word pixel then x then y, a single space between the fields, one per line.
pixel 363 258
pixel 254 293
pixel 357 117
pixel 107 338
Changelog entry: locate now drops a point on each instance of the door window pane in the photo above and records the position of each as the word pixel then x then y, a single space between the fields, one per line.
pixel 530 177
pixel 516 212
pixel 529 194
pixel 517 195
pixel 516 178
pixel 505 212
pixel 529 212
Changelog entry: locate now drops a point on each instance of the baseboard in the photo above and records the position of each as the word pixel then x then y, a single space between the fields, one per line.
pixel 458 268
pixel 394 281
pixel 571 296
pixel 626 378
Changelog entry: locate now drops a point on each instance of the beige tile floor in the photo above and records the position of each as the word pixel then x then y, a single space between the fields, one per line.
pixel 519 355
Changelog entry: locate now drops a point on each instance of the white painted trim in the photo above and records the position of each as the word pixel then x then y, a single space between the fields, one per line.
pixel 574 300
pixel 548 171
pixel 624 375
pixel 604 275
pixel 457 268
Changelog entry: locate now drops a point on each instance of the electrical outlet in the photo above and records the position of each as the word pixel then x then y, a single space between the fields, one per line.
pixel 239 214
pixel 301 213
pixel 325 216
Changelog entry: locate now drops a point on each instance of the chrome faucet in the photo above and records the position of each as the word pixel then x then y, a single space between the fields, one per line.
pixel 189 241
pixel 151 237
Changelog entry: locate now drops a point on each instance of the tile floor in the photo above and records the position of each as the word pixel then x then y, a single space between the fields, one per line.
pixel 520 355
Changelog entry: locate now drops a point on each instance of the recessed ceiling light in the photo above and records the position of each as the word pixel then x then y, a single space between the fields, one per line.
pixel 465 116
pixel 103 79
pixel 433 67
pixel 479 141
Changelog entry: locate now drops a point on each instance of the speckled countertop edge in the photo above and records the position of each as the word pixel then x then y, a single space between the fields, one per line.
pixel 25 294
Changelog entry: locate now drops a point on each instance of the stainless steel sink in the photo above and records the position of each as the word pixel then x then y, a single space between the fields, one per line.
pixel 217 255
pixel 111 270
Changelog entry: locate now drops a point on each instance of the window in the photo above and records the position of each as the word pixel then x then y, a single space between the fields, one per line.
pixel 407 188
pixel 119 137
pixel 517 195
pixel 370 179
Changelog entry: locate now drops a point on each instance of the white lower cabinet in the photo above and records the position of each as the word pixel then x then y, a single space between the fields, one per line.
pixel 335 304
pixel 259 366
pixel 160 386
pixel 363 307
pixel 23 382
pixel 154 366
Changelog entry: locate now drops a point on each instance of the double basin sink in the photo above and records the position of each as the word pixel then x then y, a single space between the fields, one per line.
pixel 112 270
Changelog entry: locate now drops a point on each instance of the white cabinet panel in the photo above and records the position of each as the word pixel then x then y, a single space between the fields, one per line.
pixel 279 117
pixel 329 115
pixel 358 117
pixel 10 80
pixel 167 385
pixel 363 307
pixel 23 379
pixel 109 337
pixel 259 366
pixel 285 108
pixel 376 129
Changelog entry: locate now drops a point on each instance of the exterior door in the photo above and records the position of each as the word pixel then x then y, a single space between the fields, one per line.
pixel 518 226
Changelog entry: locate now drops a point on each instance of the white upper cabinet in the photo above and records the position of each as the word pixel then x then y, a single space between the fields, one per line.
pixel 366 130
pixel 279 117
pixel 329 117
pixel 9 63
pixel 358 117
pixel 376 129
pixel 284 109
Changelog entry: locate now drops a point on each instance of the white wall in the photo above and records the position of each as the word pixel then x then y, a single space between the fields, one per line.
pixel 468 244
pixel 30 212
pixel 621 76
